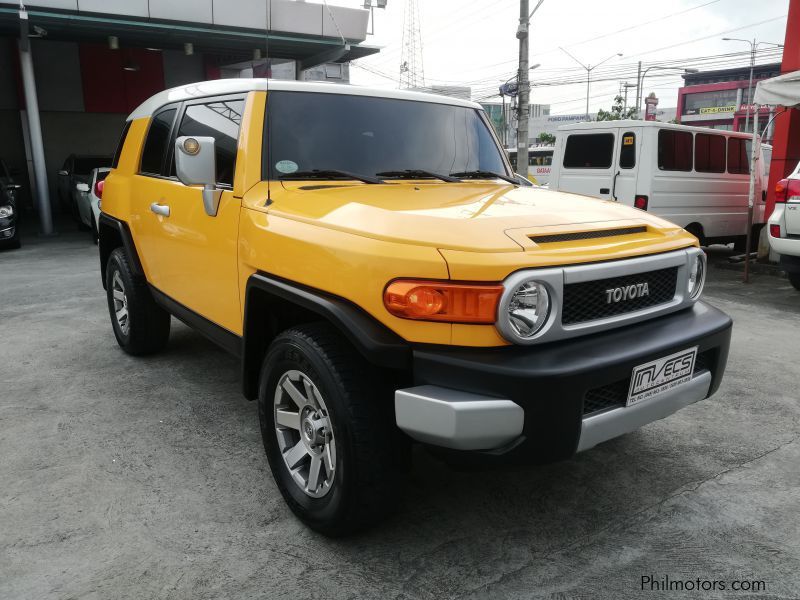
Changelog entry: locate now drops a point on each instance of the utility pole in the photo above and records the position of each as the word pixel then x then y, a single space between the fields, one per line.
pixel 638 88
pixel 524 87
pixel 589 69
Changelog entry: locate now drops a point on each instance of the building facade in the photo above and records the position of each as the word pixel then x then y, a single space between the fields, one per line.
pixel 88 64
pixel 720 99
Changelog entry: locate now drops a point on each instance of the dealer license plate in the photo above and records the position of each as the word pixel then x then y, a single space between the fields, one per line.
pixel 658 376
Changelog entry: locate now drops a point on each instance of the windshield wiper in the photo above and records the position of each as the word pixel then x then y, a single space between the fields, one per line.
pixel 330 174
pixel 417 174
pixel 478 174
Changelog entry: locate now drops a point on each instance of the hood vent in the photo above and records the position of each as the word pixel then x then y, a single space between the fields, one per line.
pixel 586 235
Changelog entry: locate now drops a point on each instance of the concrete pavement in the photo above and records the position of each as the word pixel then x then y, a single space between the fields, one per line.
pixel 125 478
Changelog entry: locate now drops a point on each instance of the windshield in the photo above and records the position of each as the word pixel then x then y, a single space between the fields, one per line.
pixel 364 135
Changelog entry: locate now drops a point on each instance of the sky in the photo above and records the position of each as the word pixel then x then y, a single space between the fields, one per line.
pixel 472 42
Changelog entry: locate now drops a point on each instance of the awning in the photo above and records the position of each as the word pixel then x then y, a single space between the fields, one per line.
pixel 783 90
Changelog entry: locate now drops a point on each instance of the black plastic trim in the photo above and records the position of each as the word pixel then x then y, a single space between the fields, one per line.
pixel 107 244
pixel 550 381
pixel 225 339
pixel 378 344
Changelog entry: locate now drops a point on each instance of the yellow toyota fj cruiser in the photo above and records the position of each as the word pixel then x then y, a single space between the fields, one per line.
pixel 385 277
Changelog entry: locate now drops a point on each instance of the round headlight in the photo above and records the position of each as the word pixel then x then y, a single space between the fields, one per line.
pixel 527 310
pixel 697 275
pixel 6 211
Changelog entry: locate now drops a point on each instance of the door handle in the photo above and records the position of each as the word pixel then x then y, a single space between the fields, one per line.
pixel 160 209
pixel 614 186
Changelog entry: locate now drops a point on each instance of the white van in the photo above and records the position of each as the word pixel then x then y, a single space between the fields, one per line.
pixel 540 159
pixel 696 177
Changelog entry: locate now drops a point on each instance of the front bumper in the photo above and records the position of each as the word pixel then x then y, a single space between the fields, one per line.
pixel 572 393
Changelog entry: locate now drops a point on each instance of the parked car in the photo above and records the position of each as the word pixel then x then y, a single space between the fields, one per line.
pixel 76 170
pixel 540 161
pixel 9 208
pixel 383 277
pixel 88 197
pixel 784 226
pixel 696 177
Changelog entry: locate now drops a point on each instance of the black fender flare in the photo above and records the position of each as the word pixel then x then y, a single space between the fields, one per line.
pixel 377 343
pixel 113 233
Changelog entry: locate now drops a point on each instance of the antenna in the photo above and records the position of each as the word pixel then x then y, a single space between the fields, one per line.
pixel 412 72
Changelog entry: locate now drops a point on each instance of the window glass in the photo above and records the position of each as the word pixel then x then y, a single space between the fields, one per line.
pixel 589 151
pixel 709 153
pixel 156 143
pixel 627 151
pixel 220 120
pixel 120 144
pixel 369 135
pixel 674 150
pixel 709 103
pixel 738 161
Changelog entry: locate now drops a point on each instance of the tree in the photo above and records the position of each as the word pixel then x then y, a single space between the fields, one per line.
pixel 547 138
pixel 617 111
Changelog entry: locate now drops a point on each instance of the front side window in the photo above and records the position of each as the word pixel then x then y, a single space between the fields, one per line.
pixel 589 151
pixel 364 135
pixel 155 146
pixel 627 152
pixel 221 120
pixel 709 153
pixel 674 150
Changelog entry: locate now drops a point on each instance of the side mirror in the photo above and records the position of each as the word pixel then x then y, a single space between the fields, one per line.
pixel 82 187
pixel 63 172
pixel 196 164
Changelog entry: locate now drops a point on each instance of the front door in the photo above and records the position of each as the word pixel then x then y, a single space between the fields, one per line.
pixel 188 255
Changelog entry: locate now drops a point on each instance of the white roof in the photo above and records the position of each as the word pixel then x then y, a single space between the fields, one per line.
pixel 783 90
pixel 236 86
pixel 640 123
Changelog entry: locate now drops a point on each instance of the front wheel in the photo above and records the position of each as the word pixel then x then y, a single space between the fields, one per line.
pixel 328 431
pixel 140 325
pixel 794 279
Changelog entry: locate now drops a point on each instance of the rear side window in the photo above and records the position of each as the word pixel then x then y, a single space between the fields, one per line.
pixel 120 144
pixel 589 151
pixel 737 156
pixel 155 146
pixel 221 120
pixel 627 151
pixel 709 153
pixel 674 150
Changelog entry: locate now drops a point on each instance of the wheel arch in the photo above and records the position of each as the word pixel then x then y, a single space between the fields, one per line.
pixel 273 305
pixel 113 233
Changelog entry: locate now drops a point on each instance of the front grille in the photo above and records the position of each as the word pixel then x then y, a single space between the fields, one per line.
pixel 588 301
pixel 614 395
pixel 585 235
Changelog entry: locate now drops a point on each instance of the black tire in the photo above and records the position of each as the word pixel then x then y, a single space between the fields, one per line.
pixel 794 279
pixel 697 231
pixel 370 451
pixel 12 243
pixel 95 234
pixel 148 324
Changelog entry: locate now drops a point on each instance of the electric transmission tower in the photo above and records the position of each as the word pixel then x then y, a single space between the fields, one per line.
pixel 412 72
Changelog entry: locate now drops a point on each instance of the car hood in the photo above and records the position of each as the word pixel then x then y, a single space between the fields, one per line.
pixel 470 216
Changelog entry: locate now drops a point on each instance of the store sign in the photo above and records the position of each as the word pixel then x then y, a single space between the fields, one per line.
pixel 713 110
pixel 752 107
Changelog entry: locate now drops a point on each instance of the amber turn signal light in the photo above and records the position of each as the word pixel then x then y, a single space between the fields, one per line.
pixel 442 301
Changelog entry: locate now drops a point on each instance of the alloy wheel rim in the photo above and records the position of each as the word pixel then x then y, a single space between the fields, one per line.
pixel 120 303
pixel 304 432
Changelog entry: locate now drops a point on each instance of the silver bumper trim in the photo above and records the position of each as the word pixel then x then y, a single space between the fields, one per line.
pixel 610 424
pixel 458 420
